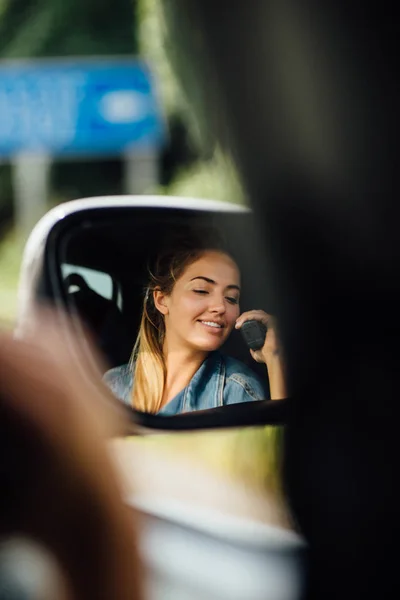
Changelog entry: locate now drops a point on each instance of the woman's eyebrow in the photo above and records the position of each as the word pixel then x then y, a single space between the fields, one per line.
pixel 230 287
pixel 204 279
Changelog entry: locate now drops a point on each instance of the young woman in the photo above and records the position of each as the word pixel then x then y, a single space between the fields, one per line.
pixel 190 308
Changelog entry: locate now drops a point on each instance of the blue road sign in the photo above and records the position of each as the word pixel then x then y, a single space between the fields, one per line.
pixel 78 107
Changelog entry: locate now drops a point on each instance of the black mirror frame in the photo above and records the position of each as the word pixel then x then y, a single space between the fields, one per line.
pixel 253 414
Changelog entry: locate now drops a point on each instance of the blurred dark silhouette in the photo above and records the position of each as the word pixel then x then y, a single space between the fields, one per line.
pixel 306 96
pixel 60 486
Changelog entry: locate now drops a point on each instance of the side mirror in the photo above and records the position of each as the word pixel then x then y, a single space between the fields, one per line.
pixel 91 259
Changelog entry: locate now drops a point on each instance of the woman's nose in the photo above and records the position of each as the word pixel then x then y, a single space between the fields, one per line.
pixel 218 306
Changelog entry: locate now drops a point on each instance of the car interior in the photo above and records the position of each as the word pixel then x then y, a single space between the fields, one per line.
pixel 104 270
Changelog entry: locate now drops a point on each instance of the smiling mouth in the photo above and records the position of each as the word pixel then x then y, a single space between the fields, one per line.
pixel 212 324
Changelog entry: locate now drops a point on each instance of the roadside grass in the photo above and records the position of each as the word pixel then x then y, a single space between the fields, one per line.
pixel 11 249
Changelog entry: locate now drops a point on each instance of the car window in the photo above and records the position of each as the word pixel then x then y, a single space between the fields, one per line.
pixel 100 282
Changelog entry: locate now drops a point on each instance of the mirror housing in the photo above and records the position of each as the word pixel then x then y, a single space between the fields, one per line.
pixel 76 232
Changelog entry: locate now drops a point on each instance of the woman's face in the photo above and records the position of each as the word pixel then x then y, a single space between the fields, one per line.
pixel 203 306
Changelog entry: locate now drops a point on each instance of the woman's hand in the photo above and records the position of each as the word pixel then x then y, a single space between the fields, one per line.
pixel 271 345
pixel 270 354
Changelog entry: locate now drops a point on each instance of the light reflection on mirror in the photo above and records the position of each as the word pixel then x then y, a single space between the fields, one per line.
pixel 161 293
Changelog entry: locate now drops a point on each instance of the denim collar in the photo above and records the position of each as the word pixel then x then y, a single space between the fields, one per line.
pixel 205 389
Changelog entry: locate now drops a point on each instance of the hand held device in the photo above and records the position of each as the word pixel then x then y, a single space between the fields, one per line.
pixel 254 334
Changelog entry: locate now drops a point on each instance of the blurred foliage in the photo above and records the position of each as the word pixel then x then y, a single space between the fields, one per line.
pixel 47 28
pixel 11 250
pixel 42 28
pixel 58 28
pixel 214 178
pixel 250 455
pixel 151 43
pixel 155 45
pixel 193 165
pixel 183 48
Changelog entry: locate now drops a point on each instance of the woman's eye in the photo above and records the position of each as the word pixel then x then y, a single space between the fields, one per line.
pixel 200 291
pixel 233 300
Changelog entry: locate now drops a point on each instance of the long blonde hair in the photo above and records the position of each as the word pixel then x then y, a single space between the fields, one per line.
pixel 147 359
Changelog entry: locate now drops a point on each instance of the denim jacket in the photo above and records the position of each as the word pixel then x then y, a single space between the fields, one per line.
pixel 220 380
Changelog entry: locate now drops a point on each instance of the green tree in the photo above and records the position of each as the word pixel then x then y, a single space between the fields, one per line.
pixel 46 28
pixel 194 165
pixel 33 28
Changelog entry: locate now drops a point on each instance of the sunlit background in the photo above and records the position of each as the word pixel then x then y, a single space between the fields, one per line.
pixel 55 29
pixel 32 180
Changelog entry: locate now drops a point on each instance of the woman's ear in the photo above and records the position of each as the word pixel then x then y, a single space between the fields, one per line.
pixel 160 301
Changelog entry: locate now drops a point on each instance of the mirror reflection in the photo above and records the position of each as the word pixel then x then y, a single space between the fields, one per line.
pixel 171 308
